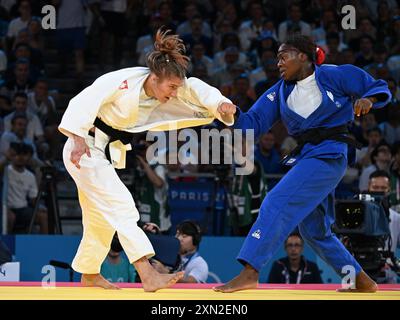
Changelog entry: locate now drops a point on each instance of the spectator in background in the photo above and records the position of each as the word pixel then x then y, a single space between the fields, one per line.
pixel 241 93
pixel 334 48
pixel 20 81
pixel 116 267
pixel 197 35
pixel 34 129
pixel 198 56
pixel 293 24
pixel 144 44
pixel 199 70
pixel 363 156
pixel 195 267
pixel 36 40
pixel 17 134
pixel 251 29
pixel 269 157
pixel 381 158
pixel 294 268
pixel 228 40
pixel 17 24
pixel 391 127
pixel 366 53
pixel 22 192
pixel 230 69
pixel 24 51
pixel 185 27
pixel 42 104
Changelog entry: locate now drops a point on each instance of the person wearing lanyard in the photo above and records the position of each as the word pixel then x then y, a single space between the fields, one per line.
pixel 195 268
pixel 294 268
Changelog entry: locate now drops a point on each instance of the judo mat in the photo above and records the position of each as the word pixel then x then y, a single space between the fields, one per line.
pixel 74 291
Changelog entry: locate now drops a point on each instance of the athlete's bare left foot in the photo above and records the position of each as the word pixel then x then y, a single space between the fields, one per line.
pixel 364 284
pixel 97 280
pixel 247 279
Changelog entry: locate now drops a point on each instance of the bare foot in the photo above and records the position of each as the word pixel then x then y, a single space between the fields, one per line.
pixel 364 284
pixel 97 280
pixel 247 279
pixel 156 281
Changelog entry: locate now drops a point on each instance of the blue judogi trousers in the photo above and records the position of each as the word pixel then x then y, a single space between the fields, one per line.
pixel 305 198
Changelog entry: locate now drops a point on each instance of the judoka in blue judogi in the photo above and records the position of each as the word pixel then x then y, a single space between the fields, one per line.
pixel 315 103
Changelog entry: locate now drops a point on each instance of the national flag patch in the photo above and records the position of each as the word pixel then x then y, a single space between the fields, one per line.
pixel 124 85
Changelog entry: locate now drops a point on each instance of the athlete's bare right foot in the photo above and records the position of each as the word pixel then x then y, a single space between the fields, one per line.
pixel 97 280
pixel 247 279
pixel 156 281
pixel 364 284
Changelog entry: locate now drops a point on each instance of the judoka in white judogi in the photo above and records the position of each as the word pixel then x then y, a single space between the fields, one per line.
pixel 119 100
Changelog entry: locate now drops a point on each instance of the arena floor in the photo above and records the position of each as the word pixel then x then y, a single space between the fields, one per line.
pixel 73 291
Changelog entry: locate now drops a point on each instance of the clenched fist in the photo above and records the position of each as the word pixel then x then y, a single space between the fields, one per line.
pixel 363 105
pixel 226 108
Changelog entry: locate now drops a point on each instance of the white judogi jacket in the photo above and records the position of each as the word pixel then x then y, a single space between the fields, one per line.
pixel 196 104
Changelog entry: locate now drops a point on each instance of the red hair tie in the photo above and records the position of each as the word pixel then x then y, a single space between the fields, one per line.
pixel 319 55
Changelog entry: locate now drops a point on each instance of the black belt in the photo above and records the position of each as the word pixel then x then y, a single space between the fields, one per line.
pixel 114 134
pixel 317 135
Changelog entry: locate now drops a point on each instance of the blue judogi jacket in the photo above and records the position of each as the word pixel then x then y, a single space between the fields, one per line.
pixel 339 86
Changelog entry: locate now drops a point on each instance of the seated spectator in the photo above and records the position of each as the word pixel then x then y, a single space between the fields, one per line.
pixel 42 104
pixel 198 57
pixel 249 30
pixel 194 266
pixel 22 192
pixel 228 41
pixel 294 268
pixel 17 134
pixel 363 155
pixel 226 74
pixel 185 27
pixel 361 126
pixel 381 159
pixel 36 40
pixel 366 54
pixel 268 71
pixel 241 93
pixel 17 24
pixel 293 24
pixel 116 267
pixel 20 79
pixel 34 129
pixel 269 157
pixel 24 51
pixel 391 127
pixel 334 48
pixel 197 35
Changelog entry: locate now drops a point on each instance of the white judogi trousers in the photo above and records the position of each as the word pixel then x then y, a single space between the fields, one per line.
pixel 107 206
